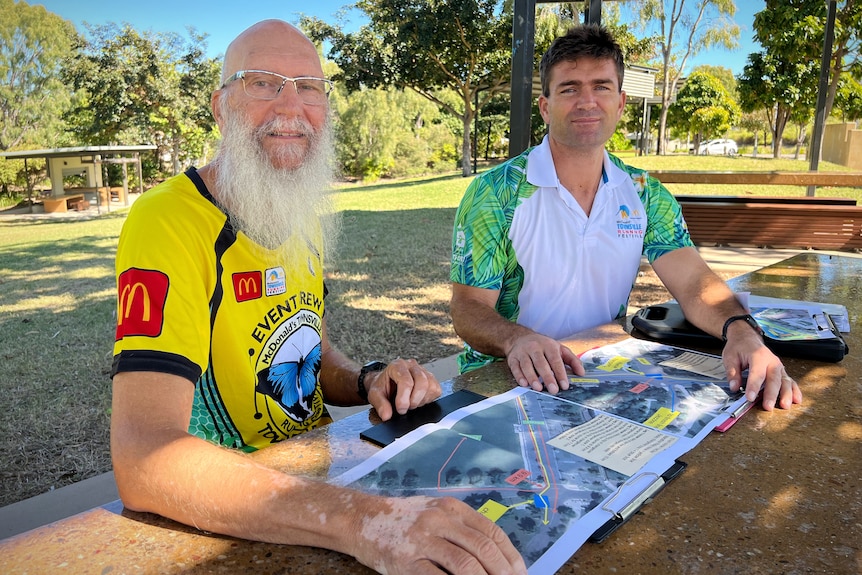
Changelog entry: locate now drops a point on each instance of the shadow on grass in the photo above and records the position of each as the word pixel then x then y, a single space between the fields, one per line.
pixel 400 184
pixel 389 285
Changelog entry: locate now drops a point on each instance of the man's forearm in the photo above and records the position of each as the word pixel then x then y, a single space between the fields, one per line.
pixel 484 329
pixel 222 491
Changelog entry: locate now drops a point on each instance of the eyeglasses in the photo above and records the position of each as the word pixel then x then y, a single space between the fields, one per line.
pixel 264 85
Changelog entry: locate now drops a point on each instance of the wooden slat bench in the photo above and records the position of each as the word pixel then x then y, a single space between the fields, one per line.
pixel 830 179
pixel 807 222
pixel 774 225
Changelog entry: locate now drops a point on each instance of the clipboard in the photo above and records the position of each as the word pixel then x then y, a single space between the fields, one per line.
pixel 385 433
pixel 622 512
pixel 666 323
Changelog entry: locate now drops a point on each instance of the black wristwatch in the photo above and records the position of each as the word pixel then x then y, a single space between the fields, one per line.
pixel 366 369
pixel 747 319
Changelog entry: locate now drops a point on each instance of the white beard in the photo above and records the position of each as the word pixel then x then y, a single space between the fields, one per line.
pixel 269 204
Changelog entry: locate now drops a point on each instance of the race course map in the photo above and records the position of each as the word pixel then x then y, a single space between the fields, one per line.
pixel 542 466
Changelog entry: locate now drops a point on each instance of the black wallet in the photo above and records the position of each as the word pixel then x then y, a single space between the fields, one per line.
pixel 385 433
pixel 666 323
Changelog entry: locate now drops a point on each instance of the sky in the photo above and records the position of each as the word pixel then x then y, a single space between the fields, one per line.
pixel 223 19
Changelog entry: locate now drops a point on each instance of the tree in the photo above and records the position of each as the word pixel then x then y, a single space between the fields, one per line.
pixel 782 79
pixel 32 95
pixel 151 88
pixel 703 107
pixel 427 46
pixel 387 133
pixel 686 28
pixel 754 121
pixel 723 75
pixel 848 100
pixel 846 48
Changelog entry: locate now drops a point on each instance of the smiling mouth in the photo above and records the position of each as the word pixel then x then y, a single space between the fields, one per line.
pixel 286 134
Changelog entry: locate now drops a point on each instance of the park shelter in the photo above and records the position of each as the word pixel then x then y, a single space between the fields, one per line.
pixel 89 162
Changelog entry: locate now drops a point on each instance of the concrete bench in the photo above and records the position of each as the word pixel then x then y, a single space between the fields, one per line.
pixel 64 203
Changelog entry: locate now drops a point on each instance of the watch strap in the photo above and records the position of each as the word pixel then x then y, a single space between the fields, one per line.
pixel 361 390
pixel 746 318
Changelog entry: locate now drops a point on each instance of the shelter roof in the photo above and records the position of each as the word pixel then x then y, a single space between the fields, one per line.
pixel 76 151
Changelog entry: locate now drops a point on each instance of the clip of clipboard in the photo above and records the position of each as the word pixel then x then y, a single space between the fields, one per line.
pixel 623 511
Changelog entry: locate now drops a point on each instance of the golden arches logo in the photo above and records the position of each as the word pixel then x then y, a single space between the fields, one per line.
pixel 247 285
pixel 127 298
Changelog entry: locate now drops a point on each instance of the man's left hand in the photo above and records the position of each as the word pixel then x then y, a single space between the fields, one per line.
pixel 765 372
pixel 404 385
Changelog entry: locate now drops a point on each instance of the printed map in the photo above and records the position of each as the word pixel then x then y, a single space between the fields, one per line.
pixel 499 457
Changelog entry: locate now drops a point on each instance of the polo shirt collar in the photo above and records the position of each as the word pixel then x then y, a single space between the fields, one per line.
pixel 542 173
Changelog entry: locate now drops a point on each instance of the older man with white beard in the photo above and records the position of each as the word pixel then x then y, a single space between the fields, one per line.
pixel 221 343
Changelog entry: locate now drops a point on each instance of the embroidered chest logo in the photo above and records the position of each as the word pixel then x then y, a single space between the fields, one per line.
pixel 630 223
pixel 276 281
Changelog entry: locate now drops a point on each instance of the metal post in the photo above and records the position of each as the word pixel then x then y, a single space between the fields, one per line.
pixel 523 47
pixel 823 87
pixel 593 12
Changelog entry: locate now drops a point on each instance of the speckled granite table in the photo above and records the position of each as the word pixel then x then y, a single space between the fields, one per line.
pixel 779 493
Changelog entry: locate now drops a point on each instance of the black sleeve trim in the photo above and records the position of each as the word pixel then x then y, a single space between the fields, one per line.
pixel 158 361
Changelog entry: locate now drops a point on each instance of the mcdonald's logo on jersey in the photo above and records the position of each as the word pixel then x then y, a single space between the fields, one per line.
pixel 247 285
pixel 141 302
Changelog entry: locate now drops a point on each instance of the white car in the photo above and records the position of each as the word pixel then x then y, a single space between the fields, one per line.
pixel 722 147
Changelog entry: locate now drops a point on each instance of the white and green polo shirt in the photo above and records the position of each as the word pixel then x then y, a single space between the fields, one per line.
pixel 559 271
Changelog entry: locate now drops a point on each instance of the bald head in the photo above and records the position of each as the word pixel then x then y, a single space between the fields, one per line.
pixel 272 43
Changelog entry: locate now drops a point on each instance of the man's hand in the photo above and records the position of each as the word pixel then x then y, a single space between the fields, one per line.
pixel 425 535
pixel 404 384
pixel 535 359
pixel 745 349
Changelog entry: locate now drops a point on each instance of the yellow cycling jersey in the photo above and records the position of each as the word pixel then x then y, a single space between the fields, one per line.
pixel 198 300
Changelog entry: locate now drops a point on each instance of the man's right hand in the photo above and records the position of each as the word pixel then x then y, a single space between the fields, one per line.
pixel 535 358
pixel 424 535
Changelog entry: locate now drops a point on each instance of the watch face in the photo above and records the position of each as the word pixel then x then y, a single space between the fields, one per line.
pixel 373 366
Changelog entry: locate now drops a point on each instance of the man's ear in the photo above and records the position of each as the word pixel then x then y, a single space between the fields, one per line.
pixel 215 104
pixel 543 107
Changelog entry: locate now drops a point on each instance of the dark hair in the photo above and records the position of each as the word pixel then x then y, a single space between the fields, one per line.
pixel 590 41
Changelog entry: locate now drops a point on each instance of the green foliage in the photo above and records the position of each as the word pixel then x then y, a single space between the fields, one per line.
pixel 703 107
pixel 723 75
pixel 33 42
pixel 143 88
pixel 784 76
pixel 619 142
pixel 685 28
pixel 848 100
pixel 389 133
pixel 427 46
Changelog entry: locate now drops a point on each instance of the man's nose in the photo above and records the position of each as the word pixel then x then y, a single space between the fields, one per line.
pixel 288 96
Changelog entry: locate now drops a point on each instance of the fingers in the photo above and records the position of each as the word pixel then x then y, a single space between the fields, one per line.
pixel 766 374
pixel 430 535
pixel 540 362
pixel 404 385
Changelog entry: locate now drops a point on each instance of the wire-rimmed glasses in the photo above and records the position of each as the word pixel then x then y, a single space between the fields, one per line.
pixel 264 85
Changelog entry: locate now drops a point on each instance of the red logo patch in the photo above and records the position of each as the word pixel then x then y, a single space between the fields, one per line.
pixel 141 303
pixel 247 285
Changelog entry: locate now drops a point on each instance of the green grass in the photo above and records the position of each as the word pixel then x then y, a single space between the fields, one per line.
pixel 389 294
pixel 740 164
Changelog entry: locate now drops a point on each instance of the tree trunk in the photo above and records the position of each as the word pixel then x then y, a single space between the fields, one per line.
pixel 466 165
